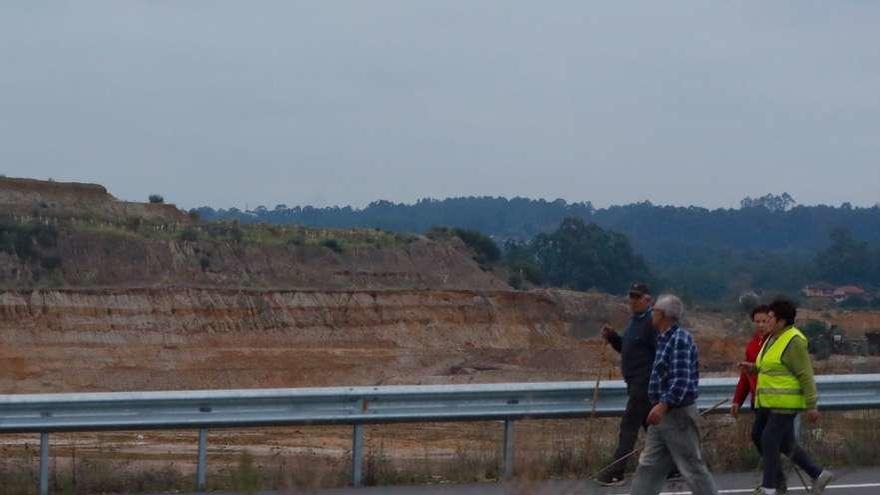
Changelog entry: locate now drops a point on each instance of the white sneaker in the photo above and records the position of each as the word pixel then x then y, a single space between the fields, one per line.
pixel 821 482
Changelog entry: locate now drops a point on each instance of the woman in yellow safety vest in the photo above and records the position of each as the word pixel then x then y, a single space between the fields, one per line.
pixel 785 387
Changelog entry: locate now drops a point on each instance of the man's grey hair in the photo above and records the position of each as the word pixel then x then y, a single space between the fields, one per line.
pixel 671 306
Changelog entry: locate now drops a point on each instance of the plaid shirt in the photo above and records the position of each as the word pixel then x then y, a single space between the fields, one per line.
pixel 675 376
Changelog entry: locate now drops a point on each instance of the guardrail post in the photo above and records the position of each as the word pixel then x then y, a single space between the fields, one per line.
pixel 357 455
pixel 44 463
pixel 203 460
pixel 508 448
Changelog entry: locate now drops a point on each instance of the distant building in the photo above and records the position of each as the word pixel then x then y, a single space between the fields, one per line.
pixel 820 289
pixel 845 292
pixel 828 291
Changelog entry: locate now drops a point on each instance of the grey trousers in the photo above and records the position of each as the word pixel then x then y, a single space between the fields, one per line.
pixel 675 441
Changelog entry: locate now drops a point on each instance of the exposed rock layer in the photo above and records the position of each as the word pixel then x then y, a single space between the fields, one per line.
pixel 184 338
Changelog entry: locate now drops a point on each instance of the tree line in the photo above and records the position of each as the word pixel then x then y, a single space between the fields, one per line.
pixel 768 243
pixel 585 256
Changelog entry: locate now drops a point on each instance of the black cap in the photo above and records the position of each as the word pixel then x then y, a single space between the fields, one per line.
pixel 639 289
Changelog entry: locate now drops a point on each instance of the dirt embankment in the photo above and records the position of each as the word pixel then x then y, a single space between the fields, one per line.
pixel 142 339
pixel 186 338
pixel 853 323
pixel 119 259
pixel 69 200
pixel 190 338
pixel 55 234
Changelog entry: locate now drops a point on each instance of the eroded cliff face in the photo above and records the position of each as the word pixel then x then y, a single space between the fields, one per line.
pixel 68 200
pixel 185 338
pixel 112 260
pixel 63 340
pixel 55 234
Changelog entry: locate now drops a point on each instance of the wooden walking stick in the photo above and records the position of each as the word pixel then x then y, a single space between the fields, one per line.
pixel 639 449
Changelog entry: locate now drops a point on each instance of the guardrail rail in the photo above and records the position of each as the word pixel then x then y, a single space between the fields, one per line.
pixel 357 406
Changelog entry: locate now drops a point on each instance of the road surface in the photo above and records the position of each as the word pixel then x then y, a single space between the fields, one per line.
pixel 864 481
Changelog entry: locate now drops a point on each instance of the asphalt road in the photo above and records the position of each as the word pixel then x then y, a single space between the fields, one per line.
pixel 849 481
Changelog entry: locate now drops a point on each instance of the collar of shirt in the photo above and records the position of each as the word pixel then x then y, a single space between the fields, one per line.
pixel 774 335
pixel 667 334
pixel 639 316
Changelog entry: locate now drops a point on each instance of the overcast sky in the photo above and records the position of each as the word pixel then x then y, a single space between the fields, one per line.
pixel 241 103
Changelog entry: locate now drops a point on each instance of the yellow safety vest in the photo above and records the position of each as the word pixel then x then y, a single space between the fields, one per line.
pixel 777 387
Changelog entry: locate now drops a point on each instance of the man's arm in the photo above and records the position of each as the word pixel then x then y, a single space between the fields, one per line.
pixel 649 334
pixel 796 358
pixel 612 337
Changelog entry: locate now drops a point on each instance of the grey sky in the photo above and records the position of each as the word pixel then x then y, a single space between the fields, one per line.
pixel 234 103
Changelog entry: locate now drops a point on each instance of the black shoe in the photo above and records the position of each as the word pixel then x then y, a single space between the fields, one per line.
pixel 674 475
pixel 781 486
pixel 610 479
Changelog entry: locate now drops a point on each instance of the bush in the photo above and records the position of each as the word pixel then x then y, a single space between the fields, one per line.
pixel 819 338
pixel 133 223
pixel 486 249
pixel 189 234
pixel 405 238
pixel 29 242
pixel 515 280
pixel 236 233
pixel 22 240
pixel 7 242
pixel 46 235
pixel 156 199
pixel 814 329
pixel 583 256
pixel 24 245
pixel 332 244
pixel 50 262
pixel 246 478
pixel 527 271
pixel 439 233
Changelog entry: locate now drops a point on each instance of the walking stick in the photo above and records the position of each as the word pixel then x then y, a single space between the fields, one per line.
pixel 603 364
pixel 639 449
pixel 801 476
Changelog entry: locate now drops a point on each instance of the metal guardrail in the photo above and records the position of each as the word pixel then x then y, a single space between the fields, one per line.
pixel 357 406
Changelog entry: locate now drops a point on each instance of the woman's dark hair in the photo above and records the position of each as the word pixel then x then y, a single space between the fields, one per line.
pixel 760 309
pixel 783 309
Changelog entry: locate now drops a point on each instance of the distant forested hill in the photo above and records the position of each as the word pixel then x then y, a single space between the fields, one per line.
pixel 769 242
pixel 768 223
pixel 501 218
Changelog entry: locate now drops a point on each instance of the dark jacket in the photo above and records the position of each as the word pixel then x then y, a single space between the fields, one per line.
pixel 637 347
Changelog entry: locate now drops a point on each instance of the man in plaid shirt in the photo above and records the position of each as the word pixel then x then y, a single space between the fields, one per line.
pixel 673 437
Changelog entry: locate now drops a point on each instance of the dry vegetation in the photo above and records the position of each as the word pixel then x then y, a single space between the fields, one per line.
pixel 309 457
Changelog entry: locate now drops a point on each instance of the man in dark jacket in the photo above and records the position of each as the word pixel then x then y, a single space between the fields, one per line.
pixel 637 347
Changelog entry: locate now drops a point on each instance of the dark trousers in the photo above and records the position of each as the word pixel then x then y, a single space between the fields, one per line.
pixel 637 408
pixel 772 434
